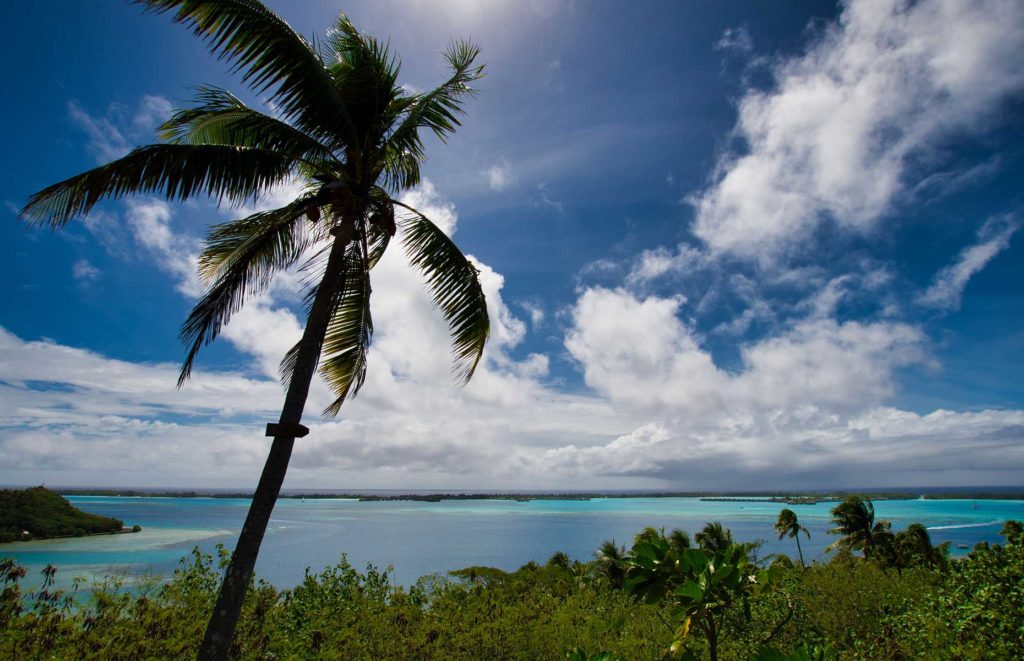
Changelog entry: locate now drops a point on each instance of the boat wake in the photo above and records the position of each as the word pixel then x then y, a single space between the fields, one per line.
pixel 967 525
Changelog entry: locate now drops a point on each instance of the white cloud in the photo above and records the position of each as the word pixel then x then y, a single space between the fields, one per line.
pixel 546 201
pixel 807 404
pixel 638 352
pixel 106 141
pixel 947 289
pixel 881 447
pixel 92 386
pixel 553 76
pixel 149 220
pixel 847 125
pixel 113 135
pixel 535 312
pixel 657 262
pixel 735 40
pixel 83 271
pixel 499 176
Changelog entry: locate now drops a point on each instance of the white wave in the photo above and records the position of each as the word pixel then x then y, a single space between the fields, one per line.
pixel 967 525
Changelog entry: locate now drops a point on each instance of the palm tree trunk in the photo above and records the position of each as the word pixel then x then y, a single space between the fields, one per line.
pixel 712 637
pixel 799 550
pixel 221 629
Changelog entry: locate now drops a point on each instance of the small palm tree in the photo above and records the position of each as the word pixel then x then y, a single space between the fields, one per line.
pixel 679 540
pixel 610 562
pixel 649 534
pixel 1013 531
pixel 345 128
pixel 788 525
pixel 913 547
pixel 854 519
pixel 714 537
pixel 559 559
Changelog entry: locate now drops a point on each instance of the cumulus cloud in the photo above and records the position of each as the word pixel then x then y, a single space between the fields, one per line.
pixel 638 351
pixel 849 124
pixel 807 404
pixel 947 289
pixel 882 447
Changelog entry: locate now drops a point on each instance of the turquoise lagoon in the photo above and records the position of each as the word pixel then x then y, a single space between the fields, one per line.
pixel 417 538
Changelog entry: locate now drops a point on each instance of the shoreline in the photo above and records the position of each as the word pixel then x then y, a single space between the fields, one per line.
pixel 127 530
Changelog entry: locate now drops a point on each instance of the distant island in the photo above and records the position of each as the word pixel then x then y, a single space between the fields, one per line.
pixel 38 513
pixel 788 498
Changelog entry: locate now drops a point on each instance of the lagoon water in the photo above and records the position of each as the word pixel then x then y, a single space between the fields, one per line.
pixel 417 538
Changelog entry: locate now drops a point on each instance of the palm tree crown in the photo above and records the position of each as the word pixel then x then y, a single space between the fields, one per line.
pixel 714 537
pixel 789 525
pixel 342 126
pixel 854 519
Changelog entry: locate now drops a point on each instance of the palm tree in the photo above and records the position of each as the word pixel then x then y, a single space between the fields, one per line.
pixel 714 537
pixel 343 126
pixel 610 562
pixel 788 524
pixel 679 540
pixel 649 534
pixel 854 519
pixel 913 547
pixel 1013 531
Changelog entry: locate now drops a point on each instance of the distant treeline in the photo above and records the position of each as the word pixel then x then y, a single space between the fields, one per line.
pixel 792 498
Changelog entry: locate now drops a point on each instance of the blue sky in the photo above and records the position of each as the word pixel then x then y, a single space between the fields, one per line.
pixel 753 246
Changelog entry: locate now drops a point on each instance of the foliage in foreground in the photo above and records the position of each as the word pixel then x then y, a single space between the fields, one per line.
pixel 847 608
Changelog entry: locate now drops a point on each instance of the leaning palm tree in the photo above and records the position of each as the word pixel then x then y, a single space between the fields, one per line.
pixel 788 525
pixel 344 127
pixel 854 519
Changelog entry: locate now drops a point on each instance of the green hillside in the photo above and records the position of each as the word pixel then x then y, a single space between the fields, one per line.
pixel 43 513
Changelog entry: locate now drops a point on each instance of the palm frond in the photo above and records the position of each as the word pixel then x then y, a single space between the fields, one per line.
pixel 400 168
pixel 366 76
pixel 220 118
pixel 454 284
pixel 271 56
pixel 439 109
pixel 347 340
pixel 176 172
pixel 378 232
pixel 240 259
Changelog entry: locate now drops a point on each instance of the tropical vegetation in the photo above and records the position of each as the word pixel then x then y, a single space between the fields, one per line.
pixel 658 599
pixel 343 127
